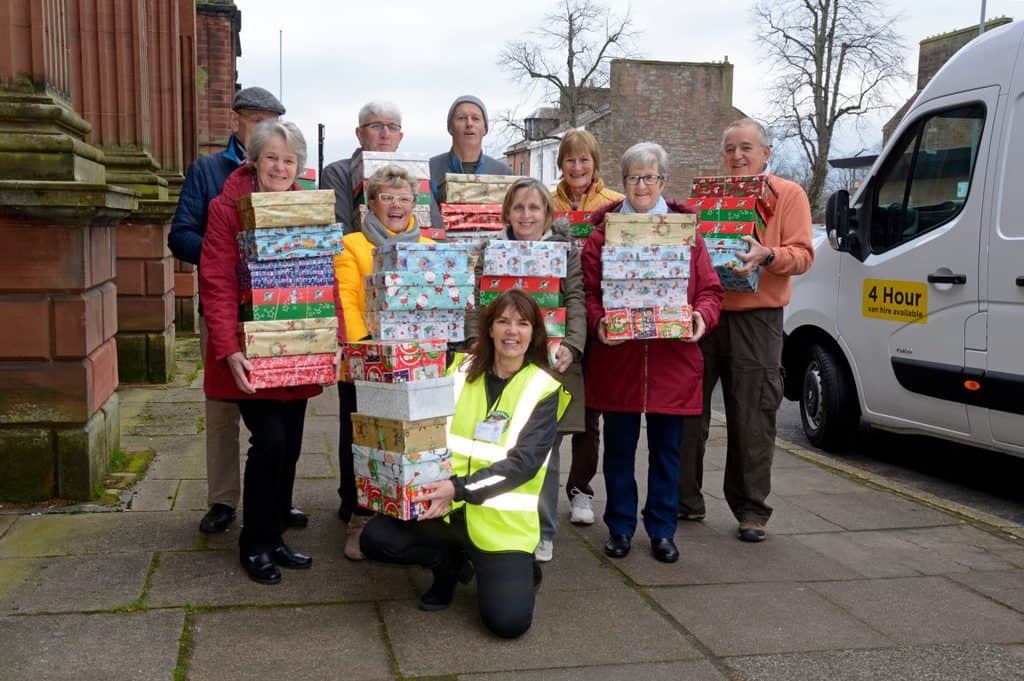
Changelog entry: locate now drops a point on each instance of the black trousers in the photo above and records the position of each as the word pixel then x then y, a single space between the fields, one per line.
pixel 504 580
pixel 346 466
pixel 274 448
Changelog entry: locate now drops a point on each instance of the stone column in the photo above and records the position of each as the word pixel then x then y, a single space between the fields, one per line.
pixel 217 47
pixel 122 85
pixel 59 416
pixel 164 25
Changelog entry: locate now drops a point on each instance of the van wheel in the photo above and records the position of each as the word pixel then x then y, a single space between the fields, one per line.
pixel 827 407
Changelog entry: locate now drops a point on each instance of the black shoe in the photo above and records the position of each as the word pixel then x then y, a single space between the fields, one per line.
pixel 440 594
pixel 691 517
pixel 617 546
pixel 296 518
pixel 466 572
pixel 751 532
pixel 217 519
pixel 261 568
pixel 538 575
pixel 664 550
pixel 286 558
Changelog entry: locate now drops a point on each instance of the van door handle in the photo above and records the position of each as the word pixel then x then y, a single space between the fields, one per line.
pixel 1020 281
pixel 947 278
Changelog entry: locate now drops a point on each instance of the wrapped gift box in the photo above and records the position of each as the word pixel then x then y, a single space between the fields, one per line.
pixel 366 163
pixel 727 209
pixel 394 361
pixel 577 222
pixel 526 258
pixel 447 325
pixel 279 243
pixel 528 284
pixel 618 293
pixel 289 337
pixel 296 302
pixel 399 436
pixel 714 231
pixel 554 321
pixel 387 482
pixel 432 233
pixel 543 298
pixel 553 345
pixel 267 313
pixel 656 252
pixel 636 229
pixel 418 257
pixel 410 401
pixel 472 217
pixel 649 323
pixel 293 370
pixel 421 278
pixel 757 187
pixel 421 298
pixel 286 273
pixel 461 188
pixel 723 258
pixel 260 210
pixel 645 262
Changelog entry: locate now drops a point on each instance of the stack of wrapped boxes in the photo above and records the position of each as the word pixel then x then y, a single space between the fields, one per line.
pixel 366 163
pixel 536 267
pixel 646 270
pixel 472 207
pixel 416 301
pixel 288 328
pixel 728 209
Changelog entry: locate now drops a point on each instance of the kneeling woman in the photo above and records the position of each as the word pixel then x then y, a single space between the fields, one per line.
pixel 507 408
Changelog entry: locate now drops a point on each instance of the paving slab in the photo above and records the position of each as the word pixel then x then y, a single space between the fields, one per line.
pixel 787 518
pixel 576 567
pixel 215 578
pixel 752 619
pixel 181 394
pixel 317 494
pixel 920 663
pixel 138 646
pixel 100 533
pixel 316 466
pixel 320 433
pixel 304 642
pixel 190 466
pixel 870 510
pixel 622 629
pixel 810 479
pixel 324 404
pixel 154 495
pixel 162 418
pixel 168 446
pixel 6 521
pixel 71 584
pixel 191 496
pixel 666 671
pixel 1004 587
pixel 926 610
pixel 905 553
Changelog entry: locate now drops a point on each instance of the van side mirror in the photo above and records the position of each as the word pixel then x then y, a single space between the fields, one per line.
pixel 837 219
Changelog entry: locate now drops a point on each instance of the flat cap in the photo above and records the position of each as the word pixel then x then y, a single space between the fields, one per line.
pixel 259 99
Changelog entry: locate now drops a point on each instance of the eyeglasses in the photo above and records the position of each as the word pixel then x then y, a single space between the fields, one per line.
pixel 646 179
pixel 400 199
pixel 377 126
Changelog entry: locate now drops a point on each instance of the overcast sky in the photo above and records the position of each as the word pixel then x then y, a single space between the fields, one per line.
pixel 339 54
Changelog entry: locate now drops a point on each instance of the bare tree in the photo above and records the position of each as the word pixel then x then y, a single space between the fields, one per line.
pixel 833 59
pixel 570 51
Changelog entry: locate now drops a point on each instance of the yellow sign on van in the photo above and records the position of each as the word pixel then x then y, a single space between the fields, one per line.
pixel 896 301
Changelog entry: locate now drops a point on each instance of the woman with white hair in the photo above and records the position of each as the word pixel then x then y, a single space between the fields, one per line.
pixel 274 416
pixel 660 378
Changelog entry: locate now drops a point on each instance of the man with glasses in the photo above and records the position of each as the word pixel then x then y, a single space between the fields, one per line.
pixel 745 351
pixel 203 182
pixel 467 124
pixel 379 129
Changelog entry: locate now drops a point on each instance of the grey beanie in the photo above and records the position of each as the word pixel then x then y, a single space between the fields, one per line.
pixel 259 99
pixel 471 100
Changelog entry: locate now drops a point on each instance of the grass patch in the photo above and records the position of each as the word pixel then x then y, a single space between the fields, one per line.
pixel 200 424
pixel 185 644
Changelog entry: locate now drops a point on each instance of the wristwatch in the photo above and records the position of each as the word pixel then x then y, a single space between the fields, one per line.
pixel 770 259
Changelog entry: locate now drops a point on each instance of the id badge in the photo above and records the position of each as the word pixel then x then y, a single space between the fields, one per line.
pixel 489 431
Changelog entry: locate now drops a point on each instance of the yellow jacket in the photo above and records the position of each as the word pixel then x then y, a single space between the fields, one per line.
pixel 350 266
pixel 597 196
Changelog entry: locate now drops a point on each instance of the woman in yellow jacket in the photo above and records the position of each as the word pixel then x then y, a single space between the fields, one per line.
pixel 391 196
pixel 581 189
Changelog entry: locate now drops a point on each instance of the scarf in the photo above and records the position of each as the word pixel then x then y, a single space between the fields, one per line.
pixel 379 235
pixel 660 208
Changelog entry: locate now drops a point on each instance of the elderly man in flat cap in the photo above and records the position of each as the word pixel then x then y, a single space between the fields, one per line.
pixel 203 182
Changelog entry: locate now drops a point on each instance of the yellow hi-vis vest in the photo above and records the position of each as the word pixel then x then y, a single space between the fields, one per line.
pixel 508 521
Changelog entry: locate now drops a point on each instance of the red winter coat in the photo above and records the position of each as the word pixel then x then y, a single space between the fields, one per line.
pixel 219 291
pixel 658 376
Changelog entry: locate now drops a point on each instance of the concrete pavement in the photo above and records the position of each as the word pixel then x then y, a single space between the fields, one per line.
pixel 859 579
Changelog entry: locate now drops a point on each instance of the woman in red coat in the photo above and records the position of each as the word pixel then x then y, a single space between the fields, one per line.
pixel 274 416
pixel 658 378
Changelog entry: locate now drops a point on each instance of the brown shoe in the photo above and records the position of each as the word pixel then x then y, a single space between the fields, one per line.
pixel 355 529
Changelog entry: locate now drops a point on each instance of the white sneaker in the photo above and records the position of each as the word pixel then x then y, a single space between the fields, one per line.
pixel 582 512
pixel 545 551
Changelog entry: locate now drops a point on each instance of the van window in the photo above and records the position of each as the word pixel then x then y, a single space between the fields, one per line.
pixel 927 178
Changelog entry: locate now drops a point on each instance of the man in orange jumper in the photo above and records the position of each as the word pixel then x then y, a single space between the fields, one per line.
pixel 745 350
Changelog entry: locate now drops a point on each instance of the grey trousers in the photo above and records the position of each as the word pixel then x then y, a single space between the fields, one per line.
pixel 223 472
pixel 745 352
pixel 547 503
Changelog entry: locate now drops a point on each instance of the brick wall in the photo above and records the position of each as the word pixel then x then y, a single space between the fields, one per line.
pixel 217 48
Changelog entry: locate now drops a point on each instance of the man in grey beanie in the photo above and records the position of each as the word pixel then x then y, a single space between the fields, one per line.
pixel 203 182
pixel 467 124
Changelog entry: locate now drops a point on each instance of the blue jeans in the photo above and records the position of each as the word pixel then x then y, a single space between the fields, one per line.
pixel 664 438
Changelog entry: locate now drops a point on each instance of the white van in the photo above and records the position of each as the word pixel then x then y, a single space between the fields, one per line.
pixel 912 317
